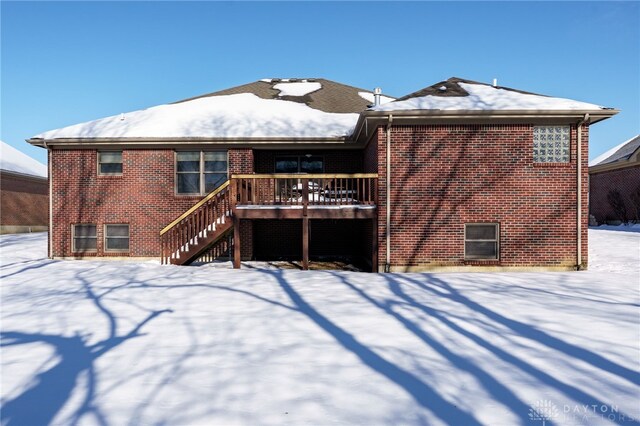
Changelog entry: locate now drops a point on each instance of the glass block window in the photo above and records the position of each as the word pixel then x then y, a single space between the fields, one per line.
pixel 481 241
pixel 110 163
pixel 84 238
pixel 200 172
pixel 116 238
pixel 551 144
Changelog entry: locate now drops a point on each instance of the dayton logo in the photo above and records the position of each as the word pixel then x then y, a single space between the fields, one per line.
pixel 543 410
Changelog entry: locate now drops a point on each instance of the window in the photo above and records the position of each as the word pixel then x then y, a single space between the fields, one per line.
pixel 299 164
pixel 116 238
pixel 551 144
pixel 84 238
pixel 481 241
pixel 200 172
pixel 110 163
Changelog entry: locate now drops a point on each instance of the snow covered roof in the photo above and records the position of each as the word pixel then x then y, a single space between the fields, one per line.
pixel 299 109
pixel 457 94
pixel 621 152
pixel 268 108
pixel 15 161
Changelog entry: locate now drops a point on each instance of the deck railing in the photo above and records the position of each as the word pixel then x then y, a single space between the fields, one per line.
pixel 193 226
pixel 305 189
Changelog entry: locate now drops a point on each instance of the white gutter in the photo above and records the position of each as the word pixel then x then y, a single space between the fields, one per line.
pixel 579 193
pixel 387 265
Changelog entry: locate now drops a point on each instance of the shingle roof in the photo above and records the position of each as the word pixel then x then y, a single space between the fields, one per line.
pixel 456 94
pixel 452 87
pixel 623 152
pixel 269 108
pixel 331 97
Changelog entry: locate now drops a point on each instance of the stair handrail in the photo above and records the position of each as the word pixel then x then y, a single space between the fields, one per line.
pixel 195 207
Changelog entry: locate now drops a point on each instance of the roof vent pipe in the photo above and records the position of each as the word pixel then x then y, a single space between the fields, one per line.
pixel 495 82
pixel 376 96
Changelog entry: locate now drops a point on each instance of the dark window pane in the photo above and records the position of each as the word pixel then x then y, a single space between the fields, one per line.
pixel 311 165
pixel 117 243
pixel 188 161
pixel 213 180
pixel 84 230
pixel 189 183
pixel 85 243
pixel 110 168
pixel 481 232
pixel 481 250
pixel 215 166
pixel 117 231
pixel 286 165
pixel 215 156
pixel 110 157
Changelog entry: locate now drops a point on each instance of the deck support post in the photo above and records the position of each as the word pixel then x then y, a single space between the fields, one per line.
pixel 236 242
pixel 374 246
pixel 305 243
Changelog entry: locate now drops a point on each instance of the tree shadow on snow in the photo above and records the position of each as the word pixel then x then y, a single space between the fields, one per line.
pixel 421 392
pixel 440 289
pixel 49 391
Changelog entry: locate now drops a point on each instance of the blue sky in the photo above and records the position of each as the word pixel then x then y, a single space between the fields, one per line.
pixel 68 62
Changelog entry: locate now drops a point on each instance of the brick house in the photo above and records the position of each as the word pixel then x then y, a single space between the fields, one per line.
pixel 614 184
pixel 458 175
pixel 24 192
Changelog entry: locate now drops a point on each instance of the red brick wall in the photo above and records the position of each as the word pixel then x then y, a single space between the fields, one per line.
pixel 241 161
pixel 444 176
pixel 143 196
pixel 626 181
pixel 24 200
pixel 335 161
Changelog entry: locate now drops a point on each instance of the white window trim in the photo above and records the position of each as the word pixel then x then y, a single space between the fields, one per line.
pixel 104 238
pixel 73 238
pixel 496 240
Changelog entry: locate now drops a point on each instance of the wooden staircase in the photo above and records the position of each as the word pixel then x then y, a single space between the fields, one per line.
pixel 198 229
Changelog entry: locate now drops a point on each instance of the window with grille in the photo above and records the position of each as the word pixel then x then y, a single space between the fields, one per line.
pixel 84 238
pixel 200 172
pixel 481 241
pixel 551 144
pixel 116 238
pixel 110 162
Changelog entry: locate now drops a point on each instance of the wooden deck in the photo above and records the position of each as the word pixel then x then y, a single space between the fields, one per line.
pixel 271 196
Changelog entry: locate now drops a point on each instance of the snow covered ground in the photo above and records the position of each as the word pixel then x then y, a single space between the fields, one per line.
pixel 96 342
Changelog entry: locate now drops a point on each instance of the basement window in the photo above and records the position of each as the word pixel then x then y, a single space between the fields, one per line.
pixel 110 162
pixel 481 241
pixel 116 238
pixel 200 172
pixel 551 144
pixel 84 238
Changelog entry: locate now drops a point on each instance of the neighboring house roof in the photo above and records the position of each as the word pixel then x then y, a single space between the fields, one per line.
pixel 623 155
pixel 309 109
pixel 459 94
pixel 14 161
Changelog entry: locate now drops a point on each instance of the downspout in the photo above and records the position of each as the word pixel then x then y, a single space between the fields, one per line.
pixel 579 193
pixel 50 182
pixel 387 265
